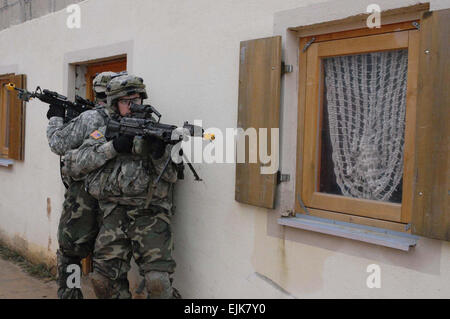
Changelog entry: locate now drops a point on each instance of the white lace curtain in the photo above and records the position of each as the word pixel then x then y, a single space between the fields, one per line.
pixel 366 100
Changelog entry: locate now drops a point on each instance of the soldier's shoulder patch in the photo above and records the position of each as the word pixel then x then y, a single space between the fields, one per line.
pixel 96 135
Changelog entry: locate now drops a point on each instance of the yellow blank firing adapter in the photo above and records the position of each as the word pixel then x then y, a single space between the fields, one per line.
pixel 10 86
pixel 209 136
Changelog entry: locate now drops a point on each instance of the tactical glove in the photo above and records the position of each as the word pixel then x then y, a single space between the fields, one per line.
pixel 123 144
pixel 55 111
pixel 156 147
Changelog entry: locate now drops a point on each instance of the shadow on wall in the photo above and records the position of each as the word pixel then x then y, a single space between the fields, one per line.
pixel 425 257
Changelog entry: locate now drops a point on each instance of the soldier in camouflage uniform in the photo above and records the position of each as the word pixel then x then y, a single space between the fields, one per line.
pixel 136 216
pixel 78 225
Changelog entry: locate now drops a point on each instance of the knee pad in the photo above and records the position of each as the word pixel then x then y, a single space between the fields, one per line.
pixel 106 288
pixel 158 285
pixel 102 285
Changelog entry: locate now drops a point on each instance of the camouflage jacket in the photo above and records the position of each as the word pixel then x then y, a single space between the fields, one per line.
pixel 65 137
pixel 115 178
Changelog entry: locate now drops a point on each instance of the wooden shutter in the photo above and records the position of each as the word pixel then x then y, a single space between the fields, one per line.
pixel 17 121
pixel 259 106
pixel 431 215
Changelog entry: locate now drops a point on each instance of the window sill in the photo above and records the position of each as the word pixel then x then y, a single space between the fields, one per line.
pixel 368 234
pixel 6 162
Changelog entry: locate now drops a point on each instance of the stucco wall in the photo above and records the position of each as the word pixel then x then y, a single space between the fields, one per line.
pixel 14 12
pixel 188 54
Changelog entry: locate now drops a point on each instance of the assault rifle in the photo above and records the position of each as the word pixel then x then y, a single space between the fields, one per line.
pixel 73 109
pixel 169 134
pixel 143 124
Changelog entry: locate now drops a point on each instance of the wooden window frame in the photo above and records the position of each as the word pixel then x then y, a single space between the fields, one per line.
pixel 115 65
pixel 380 214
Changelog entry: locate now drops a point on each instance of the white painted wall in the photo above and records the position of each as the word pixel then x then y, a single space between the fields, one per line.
pixel 188 54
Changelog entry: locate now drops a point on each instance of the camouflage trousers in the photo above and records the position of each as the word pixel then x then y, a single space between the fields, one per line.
pixel 77 231
pixel 145 235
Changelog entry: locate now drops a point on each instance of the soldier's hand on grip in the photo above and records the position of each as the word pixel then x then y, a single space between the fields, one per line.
pixel 156 146
pixel 55 111
pixel 123 144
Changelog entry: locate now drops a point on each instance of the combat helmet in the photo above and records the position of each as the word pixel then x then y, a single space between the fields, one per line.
pixel 100 82
pixel 125 85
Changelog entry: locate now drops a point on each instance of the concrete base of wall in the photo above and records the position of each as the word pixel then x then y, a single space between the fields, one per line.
pixel 40 255
pixel 32 252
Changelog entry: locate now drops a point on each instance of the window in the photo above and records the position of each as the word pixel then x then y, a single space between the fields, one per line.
pixel 12 119
pixel 372 122
pixel 359 125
